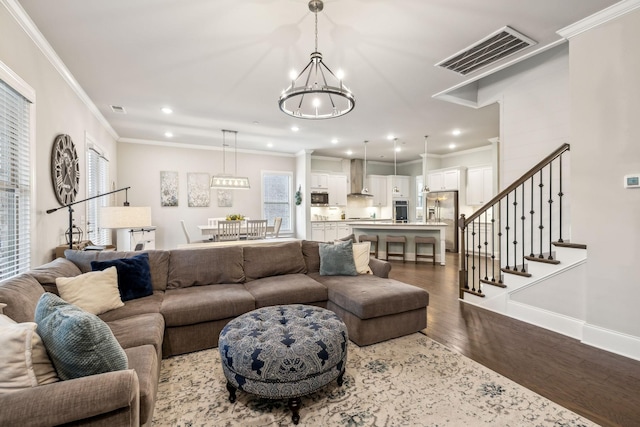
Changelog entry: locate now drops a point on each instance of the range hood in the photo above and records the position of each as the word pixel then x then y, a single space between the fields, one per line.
pixel 357 179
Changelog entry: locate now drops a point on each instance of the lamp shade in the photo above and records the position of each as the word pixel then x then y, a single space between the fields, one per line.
pixel 125 217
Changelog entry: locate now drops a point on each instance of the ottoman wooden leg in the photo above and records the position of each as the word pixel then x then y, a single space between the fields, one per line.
pixel 232 392
pixel 341 378
pixel 294 405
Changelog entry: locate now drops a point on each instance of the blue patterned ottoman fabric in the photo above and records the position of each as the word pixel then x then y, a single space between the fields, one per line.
pixel 283 351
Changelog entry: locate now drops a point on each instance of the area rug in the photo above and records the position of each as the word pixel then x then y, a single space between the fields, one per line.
pixel 408 381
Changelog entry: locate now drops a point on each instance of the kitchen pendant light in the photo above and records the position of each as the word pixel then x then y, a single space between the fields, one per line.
pixel 229 182
pixel 425 187
pixel 396 190
pixel 316 93
pixel 365 190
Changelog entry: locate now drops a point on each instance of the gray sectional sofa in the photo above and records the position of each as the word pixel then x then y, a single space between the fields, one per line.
pixel 195 293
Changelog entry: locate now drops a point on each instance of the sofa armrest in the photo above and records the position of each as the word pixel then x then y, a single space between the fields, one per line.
pixel 380 267
pixel 73 400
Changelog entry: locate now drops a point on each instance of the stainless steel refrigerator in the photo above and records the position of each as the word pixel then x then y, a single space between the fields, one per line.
pixel 442 206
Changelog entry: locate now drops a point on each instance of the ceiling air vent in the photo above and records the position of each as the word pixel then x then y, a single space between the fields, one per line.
pixel 497 45
pixel 118 109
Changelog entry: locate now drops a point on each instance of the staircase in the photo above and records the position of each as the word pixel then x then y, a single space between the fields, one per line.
pixel 515 257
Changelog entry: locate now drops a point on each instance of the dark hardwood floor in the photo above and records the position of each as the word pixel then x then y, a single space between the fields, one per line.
pixel 601 386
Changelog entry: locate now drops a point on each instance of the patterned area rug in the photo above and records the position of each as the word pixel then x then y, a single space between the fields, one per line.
pixel 408 381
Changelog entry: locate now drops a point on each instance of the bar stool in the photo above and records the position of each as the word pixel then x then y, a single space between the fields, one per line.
pixel 396 239
pixel 373 238
pixel 424 240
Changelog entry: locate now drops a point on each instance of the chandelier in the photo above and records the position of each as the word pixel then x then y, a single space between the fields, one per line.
pixel 316 93
pixel 229 182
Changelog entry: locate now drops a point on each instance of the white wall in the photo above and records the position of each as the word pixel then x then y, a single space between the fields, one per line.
pixel 605 108
pixel 139 166
pixel 58 110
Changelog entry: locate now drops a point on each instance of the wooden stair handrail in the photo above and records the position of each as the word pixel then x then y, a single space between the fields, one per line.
pixel 544 162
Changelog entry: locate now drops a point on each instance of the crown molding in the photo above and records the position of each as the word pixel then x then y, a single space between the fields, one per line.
pixel 30 28
pixel 605 15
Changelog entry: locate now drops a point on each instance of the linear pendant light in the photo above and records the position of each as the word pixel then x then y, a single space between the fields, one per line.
pixel 225 181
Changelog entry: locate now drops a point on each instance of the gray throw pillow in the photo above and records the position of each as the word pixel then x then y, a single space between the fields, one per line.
pixel 79 343
pixel 337 259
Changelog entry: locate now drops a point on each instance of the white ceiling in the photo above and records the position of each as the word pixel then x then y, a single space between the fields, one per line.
pixel 221 64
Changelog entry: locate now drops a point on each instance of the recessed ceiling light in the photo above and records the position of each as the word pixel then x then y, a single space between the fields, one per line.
pixel 295 128
pixel 398 149
pixel 255 122
pixel 390 137
pixel 167 110
pixel 452 146
pixel 168 134
pixel 349 153
pixel 456 132
pixel 270 144
pixel 334 141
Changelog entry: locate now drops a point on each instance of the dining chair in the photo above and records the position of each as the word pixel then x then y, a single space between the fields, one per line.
pixel 256 229
pixel 186 233
pixel 277 222
pixel 228 230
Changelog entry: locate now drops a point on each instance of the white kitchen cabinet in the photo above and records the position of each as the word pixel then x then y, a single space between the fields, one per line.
pixel 402 182
pixel 445 179
pixel 317 231
pixel 479 185
pixel 330 231
pixel 343 230
pixel 378 189
pixel 337 190
pixel 320 181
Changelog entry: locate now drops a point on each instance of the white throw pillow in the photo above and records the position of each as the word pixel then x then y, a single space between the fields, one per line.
pixel 24 361
pixel 361 257
pixel 2 306
pixel 95 292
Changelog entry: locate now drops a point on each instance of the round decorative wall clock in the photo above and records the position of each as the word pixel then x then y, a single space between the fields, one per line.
pixel 65 169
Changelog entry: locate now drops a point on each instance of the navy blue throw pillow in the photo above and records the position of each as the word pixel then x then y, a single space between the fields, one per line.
pixel 134 275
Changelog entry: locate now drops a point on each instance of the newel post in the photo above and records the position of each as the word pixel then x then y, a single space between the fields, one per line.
pixel 462 277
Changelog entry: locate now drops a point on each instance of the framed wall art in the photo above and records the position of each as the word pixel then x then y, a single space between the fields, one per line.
pixel 225 198
pixel 198 190
pixel 168 188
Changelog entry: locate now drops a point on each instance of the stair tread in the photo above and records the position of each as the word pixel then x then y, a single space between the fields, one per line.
pixel 493 283
pixel 516 272
pixel 570 245
pixel 469 291
pixel 543 260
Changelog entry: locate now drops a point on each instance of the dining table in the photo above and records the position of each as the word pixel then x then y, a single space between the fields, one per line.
pixel 211 231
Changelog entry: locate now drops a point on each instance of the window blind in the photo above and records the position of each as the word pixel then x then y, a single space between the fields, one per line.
pixel 97 183
pixel 15 192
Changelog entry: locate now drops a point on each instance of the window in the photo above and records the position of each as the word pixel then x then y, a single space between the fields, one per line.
pixel 276 198
pixel 419 195
pixel 15 186
pixel 97 183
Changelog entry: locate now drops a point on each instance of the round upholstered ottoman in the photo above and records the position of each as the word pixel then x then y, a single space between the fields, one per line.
pixel 283 352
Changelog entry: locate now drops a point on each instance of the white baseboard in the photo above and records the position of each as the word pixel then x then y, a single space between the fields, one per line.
pixel 612 341
pixel 559 323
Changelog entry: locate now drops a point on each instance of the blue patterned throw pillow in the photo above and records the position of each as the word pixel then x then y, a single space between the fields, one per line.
pixel 134 275
pixel 337 259
pixel 79 343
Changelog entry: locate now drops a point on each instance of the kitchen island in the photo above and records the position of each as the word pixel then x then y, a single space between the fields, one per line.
pixel 408 229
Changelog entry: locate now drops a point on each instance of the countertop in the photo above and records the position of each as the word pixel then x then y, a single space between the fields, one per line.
pixel 350 220
pixel 398 225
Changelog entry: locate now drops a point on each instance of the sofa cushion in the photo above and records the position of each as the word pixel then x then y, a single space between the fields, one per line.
pixel 135 307
pixel 134 275
pixel 21 294
pixel 205 266
pixel 197 304
pixel 337 259
pixel 24 361
pixel 95 292
pixel 79 343
pixel 128 331
pixel 158 262
pixel 368 296
pixel 286 289
pixel 311 255
pixel 273 260
pixel 47 273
